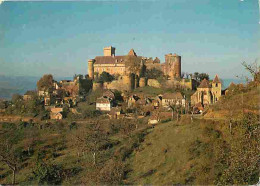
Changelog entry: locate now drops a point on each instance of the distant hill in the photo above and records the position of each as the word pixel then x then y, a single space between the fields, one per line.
pixel 10 85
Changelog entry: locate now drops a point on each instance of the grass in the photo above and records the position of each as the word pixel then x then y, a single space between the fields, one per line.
pixel 235 105
pixel 163 156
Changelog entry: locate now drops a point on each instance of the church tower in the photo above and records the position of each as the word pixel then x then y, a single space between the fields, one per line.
pixel 216 89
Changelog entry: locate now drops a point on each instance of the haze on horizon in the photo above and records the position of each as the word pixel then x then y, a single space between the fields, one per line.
pixel 59 37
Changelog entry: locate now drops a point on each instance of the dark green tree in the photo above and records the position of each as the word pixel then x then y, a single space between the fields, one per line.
pixel 106 77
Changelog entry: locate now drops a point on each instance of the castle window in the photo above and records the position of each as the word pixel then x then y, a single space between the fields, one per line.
pixel 216 85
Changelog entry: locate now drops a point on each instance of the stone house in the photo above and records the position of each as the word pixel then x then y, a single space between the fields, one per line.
pixel 29 95
pixel 103 104
pixel 132 100
pixel 115 113
pixel 172 99
pixel 56 113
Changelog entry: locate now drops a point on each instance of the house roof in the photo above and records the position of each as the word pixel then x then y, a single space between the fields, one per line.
pixel 156 60
pixel 109 59
pixel 109 94
pixel 216 79
pixel 141 102
pixel 176 95
pixel 204 84
pixel 30 92
pixel 132 53
pixel 103 100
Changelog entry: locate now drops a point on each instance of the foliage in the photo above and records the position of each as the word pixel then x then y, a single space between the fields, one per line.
pixel 253 69
pixel 105 77
pixel 45 83
pixel 133 64
pixel 153 73
pixel 47 174
pixel 200 76
pixel 85 85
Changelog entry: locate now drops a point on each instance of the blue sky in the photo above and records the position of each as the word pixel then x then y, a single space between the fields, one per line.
pixel 213 36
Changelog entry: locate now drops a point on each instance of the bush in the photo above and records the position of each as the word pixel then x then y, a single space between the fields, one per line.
pixel 48 174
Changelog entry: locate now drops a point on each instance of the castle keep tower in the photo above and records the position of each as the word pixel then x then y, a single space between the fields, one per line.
pixel 109 51
pixel 91 68
pixel 173 65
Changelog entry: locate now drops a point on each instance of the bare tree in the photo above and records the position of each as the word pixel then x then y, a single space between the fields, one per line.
pixel 253 69
pixel 90 139
pixel 8 156
pixel 175 107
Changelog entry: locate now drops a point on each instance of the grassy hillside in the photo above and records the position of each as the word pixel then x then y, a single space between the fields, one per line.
pixel 236 104
pixel 163 157
pixel 223 148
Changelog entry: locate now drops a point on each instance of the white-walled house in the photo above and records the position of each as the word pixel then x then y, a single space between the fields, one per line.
pixel 103 104
pixel 172 99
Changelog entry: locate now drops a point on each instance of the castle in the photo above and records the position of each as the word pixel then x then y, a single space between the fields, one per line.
pixel 116 65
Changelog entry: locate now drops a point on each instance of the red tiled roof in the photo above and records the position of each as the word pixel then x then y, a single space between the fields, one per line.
pixel 204 84
pixel 103 100
pixel 216 79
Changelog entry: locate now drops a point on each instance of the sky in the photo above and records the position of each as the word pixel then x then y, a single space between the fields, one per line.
pixel 58 37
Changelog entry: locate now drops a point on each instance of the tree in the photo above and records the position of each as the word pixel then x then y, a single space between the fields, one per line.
pixel 89 139
pixel 9 156
pixel 175 108
pixel 47 173
pixel 253 69
pixel 106 77
pixel 95 139
pixel 203 76
pixel 80 76
pixel 200 76
pixel 45 83
pixel 153 73
pixel 16 98
pixel 133 64
pixel 196 76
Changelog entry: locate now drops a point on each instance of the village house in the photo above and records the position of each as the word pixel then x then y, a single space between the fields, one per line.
pixel 103 104
pixel 29 95
pixel 115 113
pixel 172 99
pixel 132 100
pixel 56 113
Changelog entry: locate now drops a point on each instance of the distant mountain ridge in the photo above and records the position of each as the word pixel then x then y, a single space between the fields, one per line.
pixel 10 85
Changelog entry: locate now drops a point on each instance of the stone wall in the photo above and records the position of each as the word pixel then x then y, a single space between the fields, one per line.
pixel 153 83
pixel 124 83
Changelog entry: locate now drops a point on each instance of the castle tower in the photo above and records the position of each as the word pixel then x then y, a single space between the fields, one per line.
pixel 173 65
pixel 91 68
pixel 177 65
pixel 109 51
pixel 216 89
